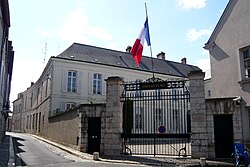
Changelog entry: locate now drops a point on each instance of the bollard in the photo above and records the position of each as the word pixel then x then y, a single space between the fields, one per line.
pixel 96 156
pixel 203 161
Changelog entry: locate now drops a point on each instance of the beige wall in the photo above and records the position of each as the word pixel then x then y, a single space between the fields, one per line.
pixel 64 128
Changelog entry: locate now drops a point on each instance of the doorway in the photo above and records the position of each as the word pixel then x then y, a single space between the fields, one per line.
pixel 223 135
pixel 94 134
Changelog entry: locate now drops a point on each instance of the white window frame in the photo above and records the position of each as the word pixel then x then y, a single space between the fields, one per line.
pixel 159 116
pixel 246 61
pixel 138 118
pixel 97 84
pixel 72 81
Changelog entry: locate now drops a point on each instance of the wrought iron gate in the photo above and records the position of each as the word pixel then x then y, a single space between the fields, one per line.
pixel 156 118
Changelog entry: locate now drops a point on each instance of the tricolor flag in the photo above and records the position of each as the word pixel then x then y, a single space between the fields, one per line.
pixel 137 49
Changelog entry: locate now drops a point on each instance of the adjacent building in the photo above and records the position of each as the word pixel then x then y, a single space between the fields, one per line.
pixel 6 65
pixel 228 90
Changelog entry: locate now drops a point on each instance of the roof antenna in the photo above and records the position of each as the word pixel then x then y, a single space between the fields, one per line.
pixel 45 52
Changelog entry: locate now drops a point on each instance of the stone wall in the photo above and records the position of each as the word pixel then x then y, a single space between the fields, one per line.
pixel 87 111
pixel 71 127
pixel 199 137
pixel 64 128
pixel 221 106
pixel 112 126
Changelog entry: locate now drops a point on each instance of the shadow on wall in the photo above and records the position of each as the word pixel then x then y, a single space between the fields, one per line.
pixel 218 53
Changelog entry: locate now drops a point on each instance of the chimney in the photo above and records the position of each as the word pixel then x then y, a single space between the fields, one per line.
pixel 32 83
pixel 128 49
pixel 184 60
pixel 161 55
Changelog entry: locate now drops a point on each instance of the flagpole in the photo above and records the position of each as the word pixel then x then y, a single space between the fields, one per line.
pixel 152 62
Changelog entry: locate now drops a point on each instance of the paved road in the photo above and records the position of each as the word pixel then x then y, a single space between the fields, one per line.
pixel 33 152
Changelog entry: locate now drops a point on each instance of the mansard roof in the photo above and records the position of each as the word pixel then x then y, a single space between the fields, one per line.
pixel 223 19
pixel 103 56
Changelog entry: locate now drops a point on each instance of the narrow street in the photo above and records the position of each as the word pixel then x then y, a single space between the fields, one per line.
pixel 33 152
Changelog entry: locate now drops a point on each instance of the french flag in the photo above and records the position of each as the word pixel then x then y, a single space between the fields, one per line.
pixel 137 48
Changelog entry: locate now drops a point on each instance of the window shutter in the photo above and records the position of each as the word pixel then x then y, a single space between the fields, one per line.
pixel 104 84
pixel 78 84
pixel 90 83
pixel 64 80
pixel 62 106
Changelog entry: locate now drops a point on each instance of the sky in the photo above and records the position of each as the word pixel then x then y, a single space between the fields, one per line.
pixel 44 28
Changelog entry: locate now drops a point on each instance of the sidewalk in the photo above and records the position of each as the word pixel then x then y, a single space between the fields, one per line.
pixel 7 155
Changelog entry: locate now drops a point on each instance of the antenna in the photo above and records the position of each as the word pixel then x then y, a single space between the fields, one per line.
pixel 45 51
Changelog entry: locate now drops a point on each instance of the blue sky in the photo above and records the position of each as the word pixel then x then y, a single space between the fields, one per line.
pixel 43 28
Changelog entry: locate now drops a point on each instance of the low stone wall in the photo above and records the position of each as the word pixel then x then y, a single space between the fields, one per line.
pixel 64 128
pixel 70 128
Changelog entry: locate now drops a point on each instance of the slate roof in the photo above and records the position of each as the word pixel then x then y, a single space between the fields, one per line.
pixel 97 55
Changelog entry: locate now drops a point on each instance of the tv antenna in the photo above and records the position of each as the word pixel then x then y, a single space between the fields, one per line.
pixel 45 51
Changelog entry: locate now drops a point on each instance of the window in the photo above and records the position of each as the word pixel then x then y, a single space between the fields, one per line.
pixel 138 118
pixel 159 117
pixel 69 105
pixel 31 99
pixel 37 96
pixel 246 63
pixel 138 91
pixel 158 93
pixel 176 119
pixel 71 83
pixel 246 58
pixel 97 84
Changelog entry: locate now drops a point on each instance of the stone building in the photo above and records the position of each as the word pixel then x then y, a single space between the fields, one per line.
pixel 77 77
pixel 228 90
pixel 6 64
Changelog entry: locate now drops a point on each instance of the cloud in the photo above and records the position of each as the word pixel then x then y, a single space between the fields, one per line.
pixel 44 33
pixel 191 4
pixel 31 68
pixel 77 28
pixel 193 34
pixel 204 64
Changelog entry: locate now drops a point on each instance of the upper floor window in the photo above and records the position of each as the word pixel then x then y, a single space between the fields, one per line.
pixel 246 58
pixel 97 84
pixel 71 83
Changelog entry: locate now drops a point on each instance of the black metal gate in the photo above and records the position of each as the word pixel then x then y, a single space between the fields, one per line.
pixel 156 118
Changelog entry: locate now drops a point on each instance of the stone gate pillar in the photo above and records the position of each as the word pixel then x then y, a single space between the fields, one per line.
pixel 199 136
pixel 111 142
